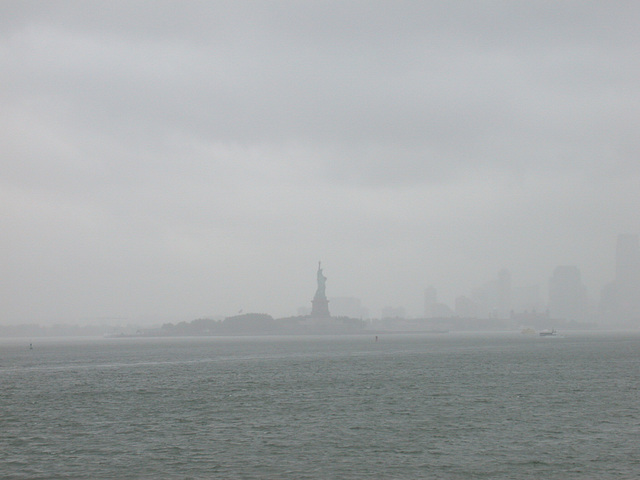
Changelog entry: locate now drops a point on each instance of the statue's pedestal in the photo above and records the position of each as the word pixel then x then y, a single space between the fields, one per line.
pixel 320 308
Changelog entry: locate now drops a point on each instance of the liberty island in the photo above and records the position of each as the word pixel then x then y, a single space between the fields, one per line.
pixel 318 321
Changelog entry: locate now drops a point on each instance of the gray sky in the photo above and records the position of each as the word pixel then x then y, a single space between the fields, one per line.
pixel 185 159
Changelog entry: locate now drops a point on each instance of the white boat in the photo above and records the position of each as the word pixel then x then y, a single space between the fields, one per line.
pixel 548 333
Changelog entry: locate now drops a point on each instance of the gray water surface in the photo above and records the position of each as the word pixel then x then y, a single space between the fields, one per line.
pixel 405 407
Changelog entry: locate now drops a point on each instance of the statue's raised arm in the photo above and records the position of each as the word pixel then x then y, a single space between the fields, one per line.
pixel 322 280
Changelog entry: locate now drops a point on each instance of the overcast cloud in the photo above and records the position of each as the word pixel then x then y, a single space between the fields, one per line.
pixel 186 159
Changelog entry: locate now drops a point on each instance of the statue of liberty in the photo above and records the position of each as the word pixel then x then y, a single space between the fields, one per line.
pixel 320 304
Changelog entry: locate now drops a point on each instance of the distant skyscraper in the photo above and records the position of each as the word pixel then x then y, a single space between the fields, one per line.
pixel 621 298
pixel 567 294
pixel 628 260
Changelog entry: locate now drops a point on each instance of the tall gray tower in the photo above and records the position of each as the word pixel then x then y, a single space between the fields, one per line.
pixel 628 277
pixel 620 303
pixel 628 259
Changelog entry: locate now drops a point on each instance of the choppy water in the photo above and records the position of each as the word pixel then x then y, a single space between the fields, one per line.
pixel 406 407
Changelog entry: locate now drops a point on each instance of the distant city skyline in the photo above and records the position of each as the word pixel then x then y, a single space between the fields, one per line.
pixel 568 298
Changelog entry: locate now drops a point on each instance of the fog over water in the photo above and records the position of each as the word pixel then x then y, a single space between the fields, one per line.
pixel 172 160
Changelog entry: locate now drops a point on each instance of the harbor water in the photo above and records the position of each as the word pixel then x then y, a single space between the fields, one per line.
pixel 440 406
